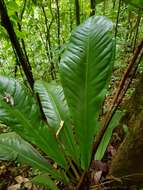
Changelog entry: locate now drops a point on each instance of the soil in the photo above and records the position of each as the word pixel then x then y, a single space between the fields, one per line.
pixel 15 177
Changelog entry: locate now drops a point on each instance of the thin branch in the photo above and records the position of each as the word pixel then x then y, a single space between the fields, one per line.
pixel 23 10
pixel 137 27
pixel 81 180
pixel 58 27
pixel 48 42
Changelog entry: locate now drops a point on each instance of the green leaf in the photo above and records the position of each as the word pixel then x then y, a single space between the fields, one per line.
pixel 85 70
pixel 12 7
pixel 108 134
pixel 56 111
pixel 20 34
pixel 99 1
pixel 22 114
pixel 136 3
pixel 53 103
pixel 13 147
pixel 45 181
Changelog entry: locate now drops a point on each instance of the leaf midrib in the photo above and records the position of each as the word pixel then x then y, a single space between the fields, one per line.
pixel 86 81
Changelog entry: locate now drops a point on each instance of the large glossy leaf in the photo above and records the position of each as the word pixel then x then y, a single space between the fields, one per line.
pixel 22 114
pixel 85 69
pixel 56 111
pixel 13 147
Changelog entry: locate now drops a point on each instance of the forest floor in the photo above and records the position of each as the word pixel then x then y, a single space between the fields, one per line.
pixel 15 177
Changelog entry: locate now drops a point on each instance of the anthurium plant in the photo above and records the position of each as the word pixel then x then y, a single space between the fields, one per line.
pixel 60 147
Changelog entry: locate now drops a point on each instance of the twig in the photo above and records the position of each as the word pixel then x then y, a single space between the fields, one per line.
pixel 81 180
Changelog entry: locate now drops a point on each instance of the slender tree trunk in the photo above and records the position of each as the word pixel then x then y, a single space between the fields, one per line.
pixel 104 7
pixel 48 43
pixel 9 27
pixel 114 3
pixel 58 27
pixel 82 11
pixel 118 17
pixel 20 29
pixel 18 50
pixel 70 15
pixel 92 7
pixel 22 41
pixel 137 28
pixel 77 11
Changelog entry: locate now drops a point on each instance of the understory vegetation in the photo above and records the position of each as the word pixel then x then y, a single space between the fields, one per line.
pixel 71 96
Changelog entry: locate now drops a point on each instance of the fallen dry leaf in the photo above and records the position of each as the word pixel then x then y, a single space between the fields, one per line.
pixel 98 165
pixel 28 185
pixel 98 175
pixel 14 187
pixel 19 179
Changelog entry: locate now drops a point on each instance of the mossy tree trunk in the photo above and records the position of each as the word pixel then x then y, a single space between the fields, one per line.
pixel 127 166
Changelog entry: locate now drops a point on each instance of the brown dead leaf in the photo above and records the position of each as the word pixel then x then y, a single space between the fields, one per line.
pixel 14 187
pixel 2 169
pixel 20 179
pixel 111 150
pixel 28 185
pixel 98 165
pixel 98 175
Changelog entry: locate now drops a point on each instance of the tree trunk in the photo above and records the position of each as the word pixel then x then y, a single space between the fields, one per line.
pixel 15 43
pixel 127 165
pixel 92 7
pixel 20 55
pixel 77 11
pixel 48 45
pixel 58 28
